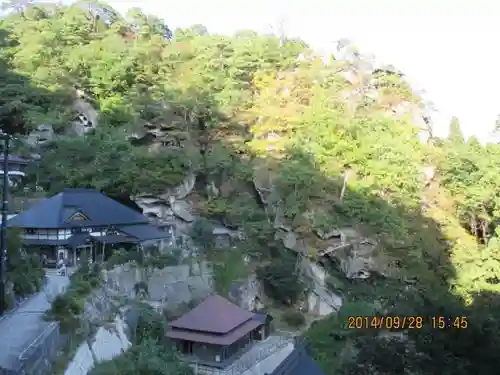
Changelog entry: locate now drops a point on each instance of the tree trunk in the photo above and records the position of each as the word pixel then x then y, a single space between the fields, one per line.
pixel 347 174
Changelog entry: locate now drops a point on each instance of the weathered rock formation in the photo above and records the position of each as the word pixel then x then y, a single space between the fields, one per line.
pixel 170 286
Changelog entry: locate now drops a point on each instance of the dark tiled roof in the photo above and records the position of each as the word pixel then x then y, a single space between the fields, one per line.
pixel 100 210
pixel 298 363
pixel 80 239
pixel 306 365
pixel 210 338
pixel 116 238
pixel 19 204
pixel 144 232
pixel 14 159
pixel 214 315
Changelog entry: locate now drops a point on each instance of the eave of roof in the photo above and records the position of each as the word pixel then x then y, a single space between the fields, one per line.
pixel 13 159
pixel 116 238
pixel 214 339
pixel 101 210
pixel 42 242
pixel 215 315
pixel 144 232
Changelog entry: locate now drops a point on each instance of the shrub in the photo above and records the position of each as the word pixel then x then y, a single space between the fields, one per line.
pixel 67 307
pixel 82 288
pixel 280 281
pixel 294 318
pixel 66 304
pixel 160 261
pixel 202 234
pixel 147 323
pixel 334 283
pixel 120 256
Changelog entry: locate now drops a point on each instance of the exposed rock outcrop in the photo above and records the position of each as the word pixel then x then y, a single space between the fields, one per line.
pixel 107 344
pixel 86 118
pixel 170 286
pixel 41 135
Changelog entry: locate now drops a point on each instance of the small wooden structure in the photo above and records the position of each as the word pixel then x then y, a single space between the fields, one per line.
pixel 217 331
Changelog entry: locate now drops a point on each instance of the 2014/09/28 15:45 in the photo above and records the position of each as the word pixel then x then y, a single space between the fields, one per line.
pixel 446 322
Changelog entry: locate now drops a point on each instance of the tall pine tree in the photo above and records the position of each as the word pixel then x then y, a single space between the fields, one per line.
pixel 455 134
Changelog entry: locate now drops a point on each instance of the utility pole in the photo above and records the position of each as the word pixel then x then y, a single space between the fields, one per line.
pixel 5 207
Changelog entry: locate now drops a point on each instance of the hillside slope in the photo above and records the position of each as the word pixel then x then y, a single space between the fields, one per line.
pixel 297 151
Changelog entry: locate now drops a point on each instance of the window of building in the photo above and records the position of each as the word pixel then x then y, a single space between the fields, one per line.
pixel 78 216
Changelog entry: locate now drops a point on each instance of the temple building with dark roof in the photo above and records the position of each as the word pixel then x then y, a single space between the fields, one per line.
pixel 217 331
pixel 15 167
pixel 298 362
pixel 84 220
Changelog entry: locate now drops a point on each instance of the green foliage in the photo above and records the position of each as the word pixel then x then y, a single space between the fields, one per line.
pixel 67 307
pixel 228 268
pixel 294 318
pixel 335 154
pixel 24 270
pixel 147 358
pixel 280 281
pixel 150 353
pixel 162 260
pixel 118 257
pixel 149 324
pixel 202 234
pixel 455 135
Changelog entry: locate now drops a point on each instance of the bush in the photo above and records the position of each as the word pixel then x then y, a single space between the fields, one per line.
pixel 147 323
pixel 202 234
pixel 294 318
pixel 120 256
pixel 25 273
pixel 280 281
pixel 82 288
pixel 68 306
pixel 160 261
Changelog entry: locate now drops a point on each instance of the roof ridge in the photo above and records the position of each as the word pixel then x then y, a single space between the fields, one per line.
pixel 214 314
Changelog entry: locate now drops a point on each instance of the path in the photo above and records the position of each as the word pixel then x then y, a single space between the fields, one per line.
pixel 22 326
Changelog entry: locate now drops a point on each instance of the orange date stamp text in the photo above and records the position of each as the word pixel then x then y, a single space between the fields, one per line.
pixel 385 322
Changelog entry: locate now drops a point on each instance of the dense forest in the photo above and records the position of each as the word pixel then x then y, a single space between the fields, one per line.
pixel 340 137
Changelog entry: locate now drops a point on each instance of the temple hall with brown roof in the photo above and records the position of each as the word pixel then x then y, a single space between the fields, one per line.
pixel 216 331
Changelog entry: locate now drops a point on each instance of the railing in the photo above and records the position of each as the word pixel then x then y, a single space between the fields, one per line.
pixel 36 358
pixel 28 352
pixel 245 362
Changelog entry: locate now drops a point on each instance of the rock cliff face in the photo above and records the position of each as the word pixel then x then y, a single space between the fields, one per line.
pixel 86 118
pixel 356 255
pixel 107 344
pixel 169 287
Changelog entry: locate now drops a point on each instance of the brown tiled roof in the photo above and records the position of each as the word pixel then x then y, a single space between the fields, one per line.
pixel 214 315
pixel 210 338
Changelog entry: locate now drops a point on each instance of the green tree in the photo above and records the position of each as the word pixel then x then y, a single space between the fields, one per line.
pixel 281 281
pixel 336 139
pixel 455 134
